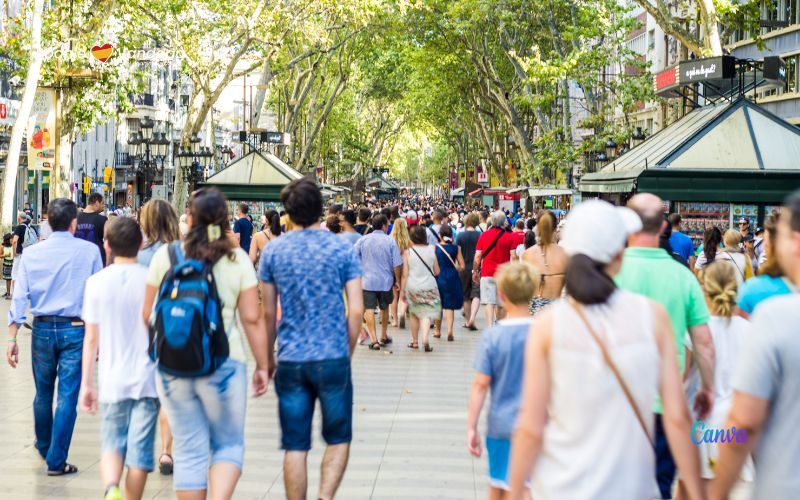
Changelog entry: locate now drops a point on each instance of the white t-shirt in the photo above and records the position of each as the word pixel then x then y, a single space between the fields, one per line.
pixel 113 300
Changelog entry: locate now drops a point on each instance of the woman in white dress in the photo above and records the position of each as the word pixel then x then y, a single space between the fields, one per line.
pixel 593 366
pixel 419 289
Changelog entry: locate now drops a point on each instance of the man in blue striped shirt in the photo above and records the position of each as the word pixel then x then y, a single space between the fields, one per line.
pixel 52 277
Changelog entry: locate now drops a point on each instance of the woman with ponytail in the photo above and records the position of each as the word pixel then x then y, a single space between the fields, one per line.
pixel 270 229
pixel 728 332
pixel 207 412
pixel 593 363
pixel 548 259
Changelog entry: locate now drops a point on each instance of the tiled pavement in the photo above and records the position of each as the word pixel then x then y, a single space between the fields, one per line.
pixel 409 433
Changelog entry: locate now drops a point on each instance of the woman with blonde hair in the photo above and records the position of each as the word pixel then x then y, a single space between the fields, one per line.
pixel 159 223
pixel 719 282
pixel 400 236
pixel 549 260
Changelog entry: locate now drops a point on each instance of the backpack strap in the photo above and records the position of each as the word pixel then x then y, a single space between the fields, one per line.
pixel 175 253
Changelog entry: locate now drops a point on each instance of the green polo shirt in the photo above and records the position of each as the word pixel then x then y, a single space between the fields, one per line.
pixel 653 273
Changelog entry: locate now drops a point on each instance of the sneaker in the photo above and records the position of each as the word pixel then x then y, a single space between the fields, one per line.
pixel 113 493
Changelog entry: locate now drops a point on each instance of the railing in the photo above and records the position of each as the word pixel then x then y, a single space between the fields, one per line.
pixel 142 99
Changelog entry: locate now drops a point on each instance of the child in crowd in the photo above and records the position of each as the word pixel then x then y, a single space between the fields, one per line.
pixel 500 363
pixel 112 309
pixel 8 263
pixel 728 331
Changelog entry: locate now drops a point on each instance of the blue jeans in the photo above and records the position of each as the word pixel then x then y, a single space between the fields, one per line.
pixel 56 353
pixel 665 464
pixel 299 385
pixel 207 417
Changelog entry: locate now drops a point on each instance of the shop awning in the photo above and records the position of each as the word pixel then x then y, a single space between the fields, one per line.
pixel 540 192
pixel 733 140
pixel 473 193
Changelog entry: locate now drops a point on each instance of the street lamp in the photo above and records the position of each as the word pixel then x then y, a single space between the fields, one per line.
pixel 195 162
pixel 149 148
pixel 611 148
pixel 638 137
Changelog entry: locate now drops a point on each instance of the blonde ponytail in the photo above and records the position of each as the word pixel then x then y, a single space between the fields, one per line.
pixel 719 285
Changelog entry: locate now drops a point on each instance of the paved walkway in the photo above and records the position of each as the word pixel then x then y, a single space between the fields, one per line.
pixel 409 433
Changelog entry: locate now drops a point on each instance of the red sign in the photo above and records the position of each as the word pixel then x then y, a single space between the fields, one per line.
pixel 3 111
pixel 510 197
pixel 667 81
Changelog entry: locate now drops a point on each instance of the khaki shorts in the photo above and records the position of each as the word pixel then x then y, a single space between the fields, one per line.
pixel 488 291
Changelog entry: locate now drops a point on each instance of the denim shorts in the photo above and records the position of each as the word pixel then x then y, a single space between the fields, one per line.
pixel 299 385
pixel 206 415
pixel 128 427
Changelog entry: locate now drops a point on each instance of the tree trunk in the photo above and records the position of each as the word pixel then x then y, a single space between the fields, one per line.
pixel 15 146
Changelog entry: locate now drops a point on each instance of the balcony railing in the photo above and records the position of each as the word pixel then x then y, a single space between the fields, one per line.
pixel 142 99
pixel 123 159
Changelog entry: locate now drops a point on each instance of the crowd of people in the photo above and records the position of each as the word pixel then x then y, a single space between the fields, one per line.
pixel 620 361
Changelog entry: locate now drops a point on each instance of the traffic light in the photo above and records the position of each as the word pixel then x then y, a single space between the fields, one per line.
pixel 87 185
pixel 107 175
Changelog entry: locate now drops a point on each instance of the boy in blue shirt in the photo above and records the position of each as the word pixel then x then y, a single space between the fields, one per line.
pixel 499 362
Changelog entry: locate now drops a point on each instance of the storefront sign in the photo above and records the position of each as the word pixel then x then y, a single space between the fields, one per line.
pixel 42 130
pixel 483 177
pixel 712 68
pixel 510 197
pixel 774 70
pixel 666 82
pixel 9 109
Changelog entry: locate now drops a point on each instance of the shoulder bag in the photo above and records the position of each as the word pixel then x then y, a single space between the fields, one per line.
pixel 423 262
pixel 440 247
pixel 615 371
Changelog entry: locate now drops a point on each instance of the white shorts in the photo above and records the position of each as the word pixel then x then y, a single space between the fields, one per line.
pixel 488 291
pixel 15 269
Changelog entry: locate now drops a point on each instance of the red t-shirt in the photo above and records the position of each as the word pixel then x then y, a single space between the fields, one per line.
pixel 519 238
pixel 500 254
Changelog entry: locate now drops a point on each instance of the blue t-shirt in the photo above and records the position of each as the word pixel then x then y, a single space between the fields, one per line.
pixel 309 268
pixel 244 228
pixel 681 245
pixel 379 257
pixel 758 289
pixel 501 356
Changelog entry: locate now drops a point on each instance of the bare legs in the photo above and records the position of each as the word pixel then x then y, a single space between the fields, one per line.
pixel 111 472
pixel 473 313
pixel 488 311
pixel 415 329
pixel 166 436
pixel 394 307
pixel 384 324
pixel 222 479
pixel 295 476
pixel 369 316
pixel 449 318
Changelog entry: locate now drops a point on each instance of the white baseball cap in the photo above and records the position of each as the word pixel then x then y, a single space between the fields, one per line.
pixel 599 230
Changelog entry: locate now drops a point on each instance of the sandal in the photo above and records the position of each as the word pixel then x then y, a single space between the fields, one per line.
pixel 165 468
pixel 67 469
pixel 387 340
pixel 428 348
pixel 437 336
pixel 450 338
pixel 375 346
pixel 413 345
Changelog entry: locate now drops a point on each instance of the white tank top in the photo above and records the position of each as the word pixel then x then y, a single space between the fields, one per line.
pixel 594 446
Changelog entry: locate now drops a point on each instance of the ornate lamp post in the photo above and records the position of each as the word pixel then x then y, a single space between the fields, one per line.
pixel 148 151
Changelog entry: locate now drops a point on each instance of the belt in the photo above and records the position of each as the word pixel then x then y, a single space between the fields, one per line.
pixel 57 319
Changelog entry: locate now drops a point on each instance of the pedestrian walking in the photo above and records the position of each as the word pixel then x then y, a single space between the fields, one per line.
pixel 22 237
pixel 362 225
pixel 728 333
pixel 112 304
pixel 382 266
pixel 619 344
pixel 8 263
pixel 92 222
pixel 771 280
pixel 270 229
pixel 348 221
pixel 467 242
pixel 310 268
pixel 400 236
pixel 680 243
pixel 451 263
pixel 549 260
pixel 51 278
pixel 433 230
pixel 495 246
pixel 420 290
pixel 243 227
pixel 160 226
pixel 650 271
pixel 206 406
pixel 712 239
pixel 499 363
pixel 766 383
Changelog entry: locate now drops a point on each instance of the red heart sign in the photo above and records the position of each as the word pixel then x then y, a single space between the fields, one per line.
pixel 102 52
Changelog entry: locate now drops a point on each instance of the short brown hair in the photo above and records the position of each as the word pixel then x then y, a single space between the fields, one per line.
pixel 124 236
pixel 472 220
pixel 517 281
